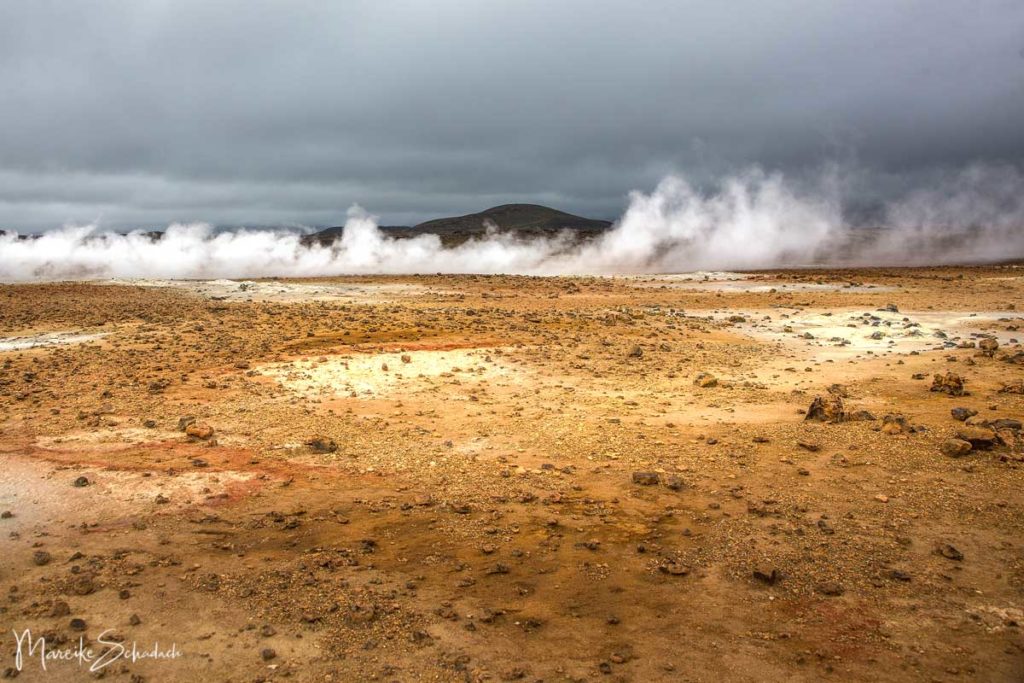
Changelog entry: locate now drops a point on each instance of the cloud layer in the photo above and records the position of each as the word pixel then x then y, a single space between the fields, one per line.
pixel 248 113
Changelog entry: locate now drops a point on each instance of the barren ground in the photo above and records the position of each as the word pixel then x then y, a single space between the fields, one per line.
pixel 505 478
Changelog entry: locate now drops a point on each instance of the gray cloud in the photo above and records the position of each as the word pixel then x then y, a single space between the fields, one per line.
pixel 149 112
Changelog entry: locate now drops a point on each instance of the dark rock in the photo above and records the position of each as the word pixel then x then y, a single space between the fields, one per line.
pixel 646 478
pixel 768 576
pixel 962 414
pixel 950 552
pixel 322 445
pixel 675 482
pixel 827 408
pixel 950 383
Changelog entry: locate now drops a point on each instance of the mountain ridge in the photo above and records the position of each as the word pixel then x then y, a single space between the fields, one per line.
pixel 525 220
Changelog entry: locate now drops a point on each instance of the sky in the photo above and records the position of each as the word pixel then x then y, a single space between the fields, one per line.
pixel 138 114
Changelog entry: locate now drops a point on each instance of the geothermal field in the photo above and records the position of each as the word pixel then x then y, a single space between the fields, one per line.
pixel 782 475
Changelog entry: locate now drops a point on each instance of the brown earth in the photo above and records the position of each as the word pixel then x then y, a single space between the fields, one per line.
pixel 507 478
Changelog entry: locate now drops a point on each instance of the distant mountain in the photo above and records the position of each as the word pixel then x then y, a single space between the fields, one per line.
pixel 525 220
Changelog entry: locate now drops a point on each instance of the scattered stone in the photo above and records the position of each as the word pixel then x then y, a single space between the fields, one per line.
pixel 198 431
pixel 636 352
pixel 673 568
pixel 960 414
pixel 978 437
pixel 768 576
pixel 1013 387
pixel 827 408
pixel 950 383
pixel 950 552
pixel 268 654
pixel 831 589
pixel 705 380
pixel 41 558
pixel 955 448
pixel 674 482
pixel 322 444
pixel 81 482
pixel 988 346
pixel 646 478
pixel 895 424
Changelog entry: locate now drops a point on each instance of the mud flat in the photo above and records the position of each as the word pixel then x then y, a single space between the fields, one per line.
pixel 796 475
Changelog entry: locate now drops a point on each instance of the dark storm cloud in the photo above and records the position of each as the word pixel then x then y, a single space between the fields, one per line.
pixel 147 112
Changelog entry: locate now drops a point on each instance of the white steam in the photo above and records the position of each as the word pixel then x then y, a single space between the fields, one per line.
pixel 755 220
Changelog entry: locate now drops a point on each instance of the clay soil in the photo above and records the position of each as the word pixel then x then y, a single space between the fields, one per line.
pixel 505 478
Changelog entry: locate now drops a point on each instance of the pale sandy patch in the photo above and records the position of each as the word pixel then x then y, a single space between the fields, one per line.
pixel 378 374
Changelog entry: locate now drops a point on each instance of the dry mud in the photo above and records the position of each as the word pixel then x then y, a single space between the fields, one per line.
pixel 505 478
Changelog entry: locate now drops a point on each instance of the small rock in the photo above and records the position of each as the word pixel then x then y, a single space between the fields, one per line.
pixel 674 482
pixel 41 558
pixel 322 444
pixel 828 408
pixel 705 380
pixel 950 552
pixel 646 478
pixel 955 448
pixel 201 432
pixel 978 437
pixel 960 414
pixel 768 576
pixel 950 383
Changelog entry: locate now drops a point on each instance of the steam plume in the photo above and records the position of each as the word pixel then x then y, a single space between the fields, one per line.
pixel 754 220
